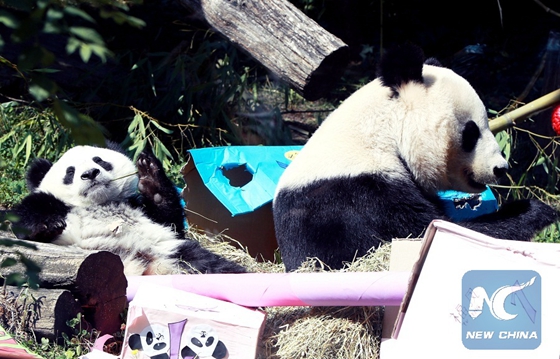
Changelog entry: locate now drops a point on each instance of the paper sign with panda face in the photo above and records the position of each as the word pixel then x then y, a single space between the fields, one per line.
pixel 153 341
pixel 203 342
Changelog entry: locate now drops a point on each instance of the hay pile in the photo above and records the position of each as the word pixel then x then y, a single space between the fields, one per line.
pixel 314 332
pixel 296 332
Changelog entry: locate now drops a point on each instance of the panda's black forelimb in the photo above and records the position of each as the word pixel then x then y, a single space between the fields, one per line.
pixel 42 215
pixel 517 220
pixel 196 259
pixel 160 200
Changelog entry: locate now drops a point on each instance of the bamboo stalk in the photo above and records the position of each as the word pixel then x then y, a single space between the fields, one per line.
pixel 522 113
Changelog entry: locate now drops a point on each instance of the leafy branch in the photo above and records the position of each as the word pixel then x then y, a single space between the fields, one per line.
pixel 30 22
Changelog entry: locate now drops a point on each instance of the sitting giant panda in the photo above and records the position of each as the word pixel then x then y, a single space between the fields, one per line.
pixel 89 198
pixel 372 170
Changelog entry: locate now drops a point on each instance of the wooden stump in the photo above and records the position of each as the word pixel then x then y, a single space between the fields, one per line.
pixel 282 38
pixel 44 311
pixel 95 278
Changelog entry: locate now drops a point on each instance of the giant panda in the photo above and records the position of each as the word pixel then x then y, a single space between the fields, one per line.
pixel 96 198
pixel 372 170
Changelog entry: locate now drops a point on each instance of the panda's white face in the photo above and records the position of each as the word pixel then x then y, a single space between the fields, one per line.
pixel 474 158
pixel 446 140
pixel 87 175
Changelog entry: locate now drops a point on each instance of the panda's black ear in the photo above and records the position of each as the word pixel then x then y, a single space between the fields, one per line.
pixel 115 147
pixel 36 172
pixel 400 65
pixel 433 61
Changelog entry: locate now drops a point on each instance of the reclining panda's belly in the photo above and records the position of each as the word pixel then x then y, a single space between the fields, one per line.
pixel 123 230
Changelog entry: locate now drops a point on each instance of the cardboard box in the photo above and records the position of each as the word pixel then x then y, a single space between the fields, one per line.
pixel 473 296
pixel 461 206
pixel 230 189
pixel 164 322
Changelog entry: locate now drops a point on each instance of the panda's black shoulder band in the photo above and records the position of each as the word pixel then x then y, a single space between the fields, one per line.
pixel 401 65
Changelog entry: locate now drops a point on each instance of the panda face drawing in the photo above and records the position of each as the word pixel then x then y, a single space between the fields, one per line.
pixel 153 341
pixel 203 343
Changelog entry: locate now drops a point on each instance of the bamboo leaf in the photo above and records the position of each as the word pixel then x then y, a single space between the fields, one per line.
pixel 161 128
pixel 71 10
pixel 87 34
pixel 85 52
pixel 8 19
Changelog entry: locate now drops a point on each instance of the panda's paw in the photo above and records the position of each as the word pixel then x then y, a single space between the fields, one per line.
pixel 151 176
pixel 47 230
pixel 42 217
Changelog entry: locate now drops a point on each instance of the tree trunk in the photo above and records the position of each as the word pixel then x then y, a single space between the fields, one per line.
pixel 283 39
pixel 95 278
pixel 43 311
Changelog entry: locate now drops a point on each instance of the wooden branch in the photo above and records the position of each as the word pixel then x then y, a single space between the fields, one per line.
pixel 283 39
pixel 44 311
pixel 522 113
pixel 547 9
pixel 95 278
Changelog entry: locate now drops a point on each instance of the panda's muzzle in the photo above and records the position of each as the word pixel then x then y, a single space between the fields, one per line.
pixel 90 174
pixel 500 172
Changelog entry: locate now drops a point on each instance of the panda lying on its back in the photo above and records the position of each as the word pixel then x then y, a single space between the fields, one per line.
pixel 89 198
pixel 372 170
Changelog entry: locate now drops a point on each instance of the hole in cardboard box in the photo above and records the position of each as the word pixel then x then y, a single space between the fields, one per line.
pixel 238 175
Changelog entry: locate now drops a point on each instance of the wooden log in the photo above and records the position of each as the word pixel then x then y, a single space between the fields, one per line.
pixel 282 38
pixel 95 278
pixel 43 311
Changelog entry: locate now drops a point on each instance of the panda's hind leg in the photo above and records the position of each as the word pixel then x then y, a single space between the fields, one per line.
pixel 161 200
pixel 196 259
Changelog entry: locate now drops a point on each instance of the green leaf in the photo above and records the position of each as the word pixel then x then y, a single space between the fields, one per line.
pixel 71 10
pixel 121 18
pixel 41 87
pixel 72 45
pixel 15 279
pixel 161 128
pixel 54 14
pixel 7 242
pixel 101 51
pixel 83 128
pixel 8 262
pixel 8 19
pixel 85 52
pixel 27 144
pixel 87 34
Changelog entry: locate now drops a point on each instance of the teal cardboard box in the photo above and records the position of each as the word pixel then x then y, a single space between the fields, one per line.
pixel 230 189
pixel 461 206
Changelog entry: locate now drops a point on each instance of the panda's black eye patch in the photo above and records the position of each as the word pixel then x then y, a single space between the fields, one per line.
pixel 471 134
pixel 69 176
pixel 105 165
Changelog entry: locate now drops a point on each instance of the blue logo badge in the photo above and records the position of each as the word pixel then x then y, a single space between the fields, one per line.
pixel 501 309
